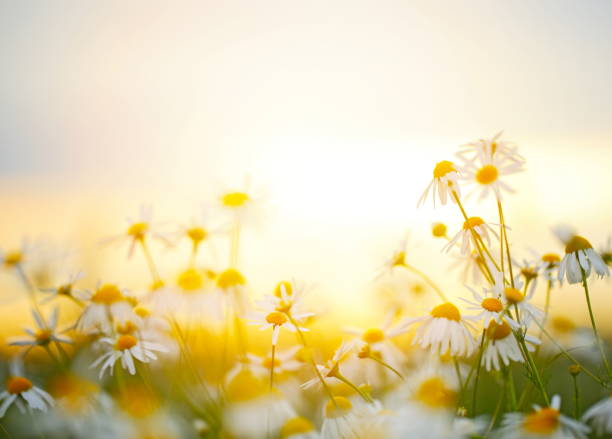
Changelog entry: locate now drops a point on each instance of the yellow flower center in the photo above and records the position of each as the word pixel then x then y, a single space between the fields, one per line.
pixel 562 324
pixel 446 311
pixel 13 258
pixel 267 363
pixel 417 289
pixel 492 304
pixel 126 342
pixel 156 285
pixel 497 331
pixel 64 290
pixel 551 258
pixel 288 289
pixel 230 278
pixel 399 259
pixel 126 328
pixel 434 393
pixel 472 222
pixel 235 199
pixel 577 243
pixel 245 386
pixel 142 312
pixel 196 234
pixel 17 385
pixel 190 280
pixel 487 174
pixel 43 336
pixel 442 168
pixel 513 295
pixel 529 273
pixel 107 294
pixel 543 421
pixel 138 230
pixel 295 426
pixel 373 335
pixel 340 406
pixel 438 230
pixel 276 318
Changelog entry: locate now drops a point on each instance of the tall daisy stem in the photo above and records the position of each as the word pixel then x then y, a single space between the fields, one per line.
pixel 427 280
pixel 505 240
pixel 593 324
pixel 272 366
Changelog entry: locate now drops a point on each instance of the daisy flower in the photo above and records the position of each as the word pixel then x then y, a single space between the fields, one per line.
pixel 438 230
pixel 503 346
pixel 378 341
pixel 343 420
pixel 600 416
pixel 332 368
pixel 542 422
pixel 581 257
pixel 107 302
pixel 284 361
pixel 445 180
pixel 486 171
pixel 471 225
pixel 232 286
pixel 15 257
pixel 66 289
pixel 397 259
pixel 298 428
pixel 275 319
pixel 44 334
pixel 489 306
pixel 126 348
pixel 444 330
pixel 21 392
pixel 138 230
pixel 471 266
pixel 485 148
pixel 521 300
pixel 549 266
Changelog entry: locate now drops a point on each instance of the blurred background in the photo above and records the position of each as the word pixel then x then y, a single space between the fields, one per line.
pixel 335 111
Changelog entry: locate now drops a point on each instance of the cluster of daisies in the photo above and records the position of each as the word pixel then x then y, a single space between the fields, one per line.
pixel 178 359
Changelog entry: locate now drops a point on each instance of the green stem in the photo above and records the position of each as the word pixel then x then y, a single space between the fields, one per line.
pixel 576 397
pixel 595 332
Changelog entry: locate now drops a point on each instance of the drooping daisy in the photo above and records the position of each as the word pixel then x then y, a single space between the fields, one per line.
pixel 332 368
pixel 66 289
pixel 487 148
pixel 581 257
pixel 599 416
pixel 23 393
pixel 44 334
pixel 503 345
pixel 542 422
pixel 486 171
pixel 444 330
pixel 471 226
pixel 107 302
pixel 126 348
pixel 445 180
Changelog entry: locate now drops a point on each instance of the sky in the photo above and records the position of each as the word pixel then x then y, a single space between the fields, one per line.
pixel 336 111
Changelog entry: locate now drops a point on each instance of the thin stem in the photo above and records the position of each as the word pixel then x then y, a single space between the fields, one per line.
pixel 505 236
pixel 428 280
pixel 534 369
pixel 272 367
pixel 478 367
pixel 458 371
pixel 546 306
pixel 346 381
pixel 388 366
pixel 595 332
pixel 150 262
pixel 576 397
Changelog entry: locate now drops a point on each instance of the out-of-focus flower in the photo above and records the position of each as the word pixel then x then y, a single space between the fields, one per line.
pixel 600 416
pixel 44 334
pixel 581 257
pixel 490 307
pixel 438 230
pixel 298 428
pixel 342 419
pixel 66 289
pixel 138 230
pixel 542 422
pixel 23 393
pixel 444 330
pixel 473 225
pixel 483 149
pixel 486 171
pixel 445 180
pixel 284 361
pixel 126 348
pixel 107 302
